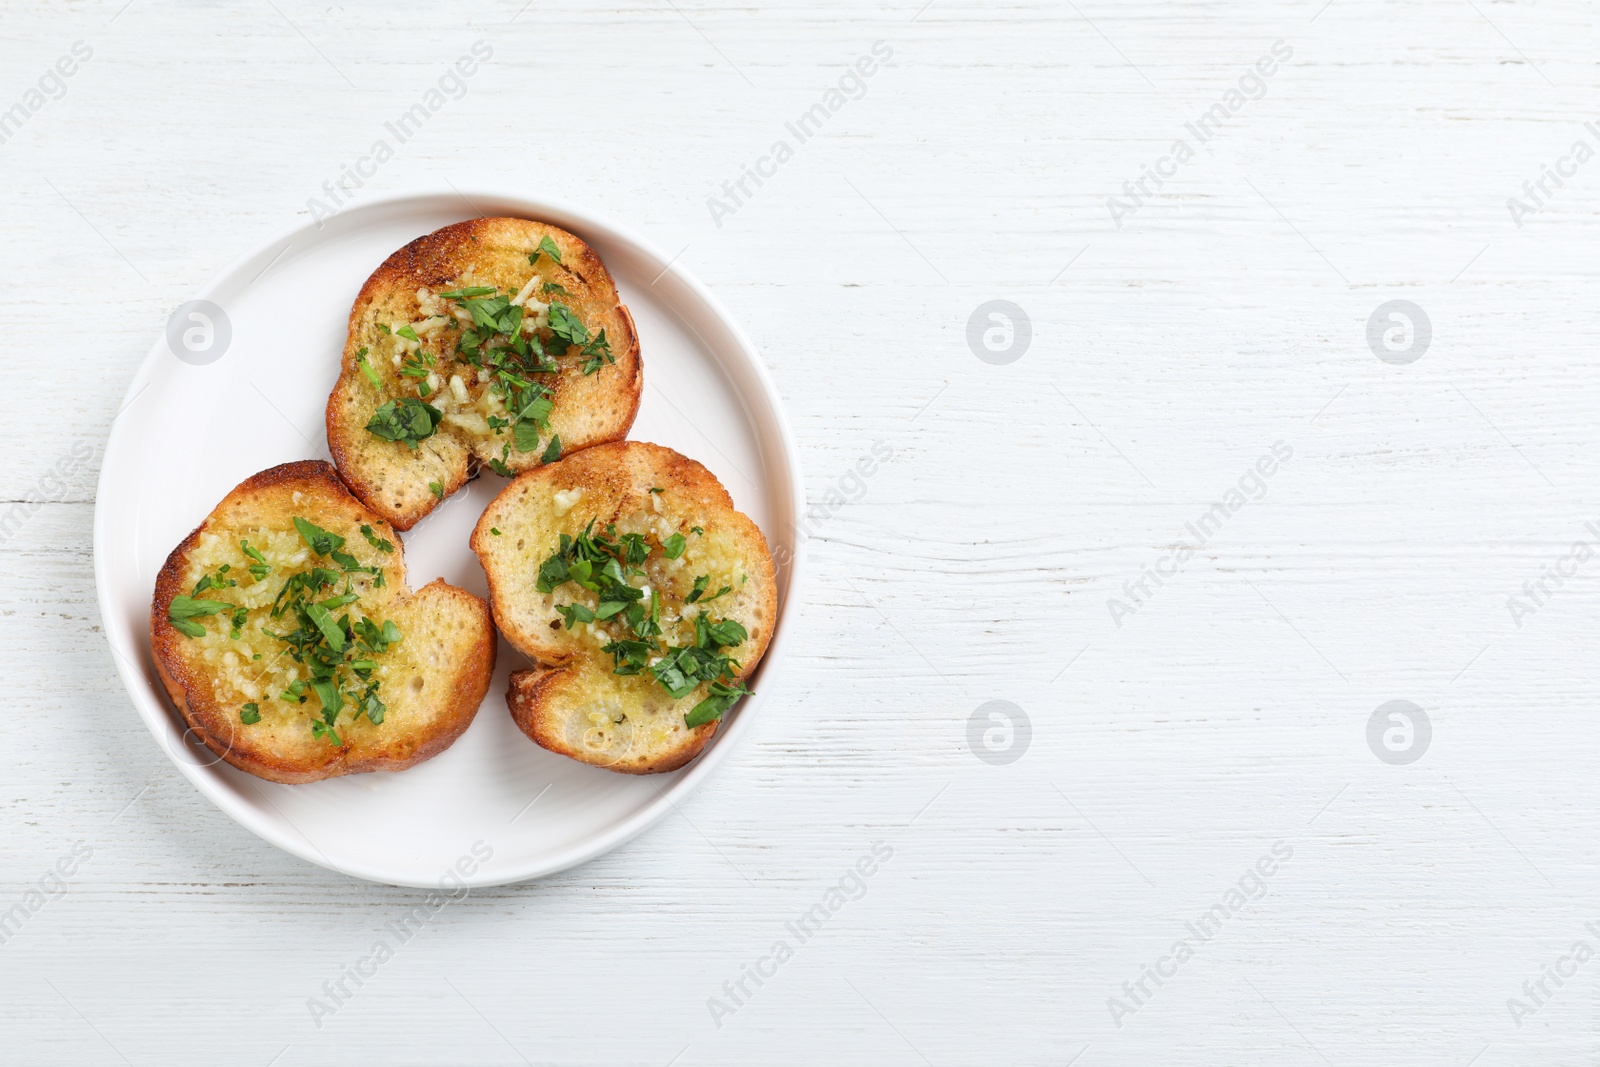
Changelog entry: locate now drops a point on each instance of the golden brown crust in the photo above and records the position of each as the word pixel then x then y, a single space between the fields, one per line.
pixel 589 409
pixel 529 698
pixel 612 481
pixel 189 681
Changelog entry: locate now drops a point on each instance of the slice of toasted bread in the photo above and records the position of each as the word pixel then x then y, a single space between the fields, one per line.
pixel 239 694
pixel 572 701
pixel 568 304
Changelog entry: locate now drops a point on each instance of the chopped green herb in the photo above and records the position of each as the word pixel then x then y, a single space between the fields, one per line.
pixel 184 610
pixel 635 549
pixel 548 247
pixel 405 419
pixel 494 531
pixel 208 582
pixel 334 649
pixel 408 333
pixel 538 406
pixel 321 541
pixel 711 708
pixel 332 632
pixel 574 614
pixel 567 326
pixel 250 714
pixel 699 590
pixel 526 435
pixel 597 354
pixel 552 451
pixel 372 707
pixel 436 489
pixel 382 544
pixel 366 369
pixel 493 311
pixel 601 563
pixel 259 569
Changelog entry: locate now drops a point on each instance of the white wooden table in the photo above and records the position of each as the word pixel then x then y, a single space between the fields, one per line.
pixel 1178 735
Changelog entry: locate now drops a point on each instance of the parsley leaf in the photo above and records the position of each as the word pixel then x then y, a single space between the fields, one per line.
pixel 184 610
pixel 382 544
pixel 574 614
pixel 602 563
pixel 526 435
pixel 366 369
pixel 331 631
pixel 597 354
pixel 319 730
pixel 538 407
pixel 728 632
pixel 552 451
pixel 208 582
pixel 567 326
pixel 372 707
pixel 635 549
pixel 250 714
pixel 493 313
pixel 548 247
pixel 183 607
pixel 711 708
pixel 630 656
pixel 259 569
pixel 321 541
pixel 405 419
pixel 436 489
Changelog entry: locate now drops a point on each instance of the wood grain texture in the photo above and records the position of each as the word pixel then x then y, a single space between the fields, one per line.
pixel 1167 754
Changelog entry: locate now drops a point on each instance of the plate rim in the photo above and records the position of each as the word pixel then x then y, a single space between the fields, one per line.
pixel 161 719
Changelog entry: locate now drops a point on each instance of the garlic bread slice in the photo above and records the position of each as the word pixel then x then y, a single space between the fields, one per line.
pixel 497 342
pixel 644 598
pixel 285 634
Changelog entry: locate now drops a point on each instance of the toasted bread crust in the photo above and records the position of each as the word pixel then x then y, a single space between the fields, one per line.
pixel 531 696
pixel 189 681
pixel 613 482
pixel 394 480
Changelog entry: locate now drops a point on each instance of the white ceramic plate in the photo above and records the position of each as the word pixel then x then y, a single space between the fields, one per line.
pixel 190 430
